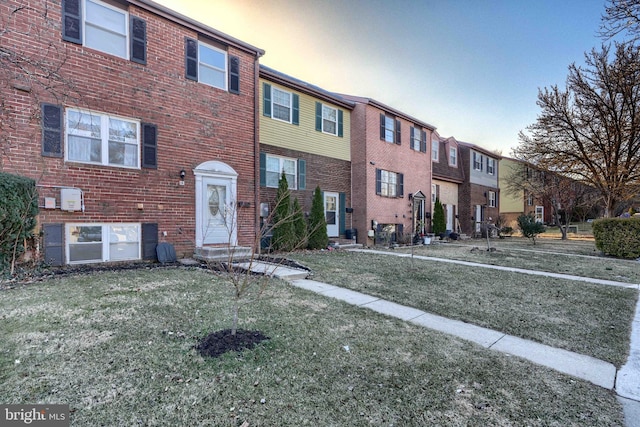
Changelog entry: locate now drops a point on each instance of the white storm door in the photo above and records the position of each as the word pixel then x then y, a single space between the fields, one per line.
pixel 450 217
pixel 218 213
pixel 331 214
pixel 478 218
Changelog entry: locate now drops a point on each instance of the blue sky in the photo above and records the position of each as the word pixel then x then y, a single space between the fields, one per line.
pixel 471 68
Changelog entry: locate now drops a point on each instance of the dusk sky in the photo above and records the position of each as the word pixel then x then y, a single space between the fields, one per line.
pixel 471 68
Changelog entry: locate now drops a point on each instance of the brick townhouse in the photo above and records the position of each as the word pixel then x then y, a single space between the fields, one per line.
pixel 138 124
pixel 479 194
pixel 448 176
pixel 305 131
pixel 391 163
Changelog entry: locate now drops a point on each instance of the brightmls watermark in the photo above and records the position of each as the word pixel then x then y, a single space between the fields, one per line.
pixel 34 415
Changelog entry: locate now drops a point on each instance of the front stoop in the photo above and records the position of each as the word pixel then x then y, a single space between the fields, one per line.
pixel 222 253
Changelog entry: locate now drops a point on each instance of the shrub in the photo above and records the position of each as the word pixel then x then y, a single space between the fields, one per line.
pixel 299 225
pixel 18 211
pixel 283 231
pixel 318 237
pixel 439 222
pixel 618 237
pixel 529 227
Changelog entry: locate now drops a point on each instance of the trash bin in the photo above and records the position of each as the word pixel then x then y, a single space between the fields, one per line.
pixel 350 233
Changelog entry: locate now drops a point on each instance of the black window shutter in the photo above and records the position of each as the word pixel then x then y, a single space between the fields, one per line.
pixel 52 130
pixel 263 170
pixel 191 59
pixel 319 116
pixel 295 113
pixel 378 181
pixel 72 21
pixel 342 201
pixel 138 40
pixel 400 185
pixel 53 244
pixel 149 146
pixel 302 174
pixel 382 129
pixel 149 240
pixel 398 132
pixel 234 74
pixel 266 99
pixel 423 142
pixel 340 123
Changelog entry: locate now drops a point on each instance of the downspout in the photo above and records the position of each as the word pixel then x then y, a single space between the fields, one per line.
pixel 256 153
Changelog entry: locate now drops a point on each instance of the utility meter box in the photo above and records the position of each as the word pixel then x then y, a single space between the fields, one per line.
pixel 70 199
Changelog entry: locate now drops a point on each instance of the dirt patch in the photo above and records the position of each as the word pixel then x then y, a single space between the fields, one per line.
pixel 220 342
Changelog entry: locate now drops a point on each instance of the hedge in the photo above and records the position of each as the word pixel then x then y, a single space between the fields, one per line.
pixel 18 211
pixel 618 237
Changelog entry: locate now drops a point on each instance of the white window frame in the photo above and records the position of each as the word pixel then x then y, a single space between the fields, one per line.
pixel 388 183
pixel 435 150
pixel 73 131
pixel 326 108
pixel 491 166
pixel 85 39
pixel 416 141
pixel 274 104
pixel 478 160
pixel 106 243
pixel 530 200
pixel 492 199
pixel 389 129
pixel 202 64
pixel 281 160
pixel 453 156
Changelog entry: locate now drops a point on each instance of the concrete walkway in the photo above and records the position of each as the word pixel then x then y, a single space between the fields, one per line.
pixel 625 382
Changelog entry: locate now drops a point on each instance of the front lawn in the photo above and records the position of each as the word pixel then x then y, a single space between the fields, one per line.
pixel 118 347
pixel 585 318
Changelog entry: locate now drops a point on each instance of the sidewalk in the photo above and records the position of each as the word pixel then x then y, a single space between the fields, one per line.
pixel 625 382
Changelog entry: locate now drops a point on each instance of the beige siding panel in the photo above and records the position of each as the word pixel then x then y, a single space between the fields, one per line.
pixel 304 137
pixel 509 202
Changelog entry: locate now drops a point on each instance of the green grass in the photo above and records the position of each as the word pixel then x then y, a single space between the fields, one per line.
pixel 118 348
pixel 586 318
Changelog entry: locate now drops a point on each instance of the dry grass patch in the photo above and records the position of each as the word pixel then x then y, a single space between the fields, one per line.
pixel 327 363
pixel 585 318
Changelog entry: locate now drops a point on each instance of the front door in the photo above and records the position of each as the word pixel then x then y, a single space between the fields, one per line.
pixel 478 218
pixel 450 217
pixel 218 215
pixel 216 201
pixel 331 214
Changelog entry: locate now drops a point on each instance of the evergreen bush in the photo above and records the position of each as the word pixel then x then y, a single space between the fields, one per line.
pixel 618 237
pixel 283 231
pixel 529 227
pixel 439 222
pixel 318 237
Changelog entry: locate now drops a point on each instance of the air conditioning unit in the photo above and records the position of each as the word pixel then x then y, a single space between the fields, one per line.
pixel 70 199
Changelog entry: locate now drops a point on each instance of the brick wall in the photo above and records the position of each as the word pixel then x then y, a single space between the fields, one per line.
pixel 196 123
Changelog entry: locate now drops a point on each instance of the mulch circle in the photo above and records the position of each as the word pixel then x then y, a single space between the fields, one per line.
pixel 220 342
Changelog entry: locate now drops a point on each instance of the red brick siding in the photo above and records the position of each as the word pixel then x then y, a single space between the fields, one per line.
pixel 195 123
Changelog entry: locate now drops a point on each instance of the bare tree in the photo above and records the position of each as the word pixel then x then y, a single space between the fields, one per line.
pixel 622 17
pixel 590 131
pixel 563 194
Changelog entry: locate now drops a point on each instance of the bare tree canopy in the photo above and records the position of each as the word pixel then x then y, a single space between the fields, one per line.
pixel 590 131
pixel 621 17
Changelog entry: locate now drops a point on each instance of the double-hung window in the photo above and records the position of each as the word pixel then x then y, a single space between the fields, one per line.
pixel 329 120
pixel 281 104
pixel 105 28
pixel 101 139
pixel 418 140
pixel 389 184
pixel 435 150
pixel 87 243
pixel 274 168
pixel 491 166
pixel 477 161
pixel 492 199
pixel 212 66
pixel 453 156
pixel 389 129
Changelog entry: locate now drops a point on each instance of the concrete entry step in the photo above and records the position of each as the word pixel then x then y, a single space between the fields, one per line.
pixel 275 270
pixel 222 253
